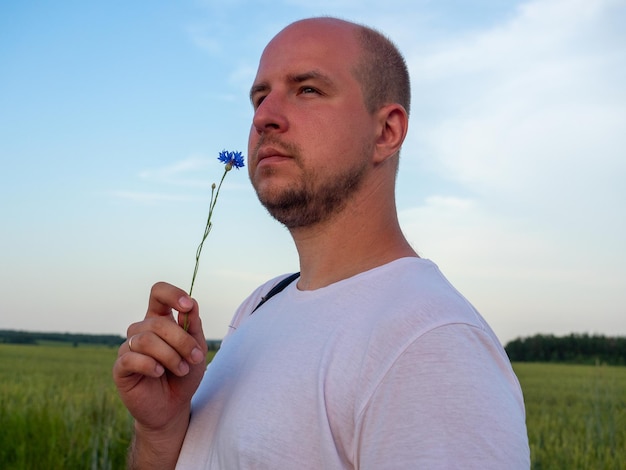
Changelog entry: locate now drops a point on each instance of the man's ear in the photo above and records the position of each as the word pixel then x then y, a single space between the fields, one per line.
pixel 393 124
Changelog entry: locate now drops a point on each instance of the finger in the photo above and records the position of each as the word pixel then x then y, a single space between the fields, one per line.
pixel 189 315
pixel 164 297
pixel 191 318
pixel 167 343
pixel 135 363
pixel 165 352
pixel 132 364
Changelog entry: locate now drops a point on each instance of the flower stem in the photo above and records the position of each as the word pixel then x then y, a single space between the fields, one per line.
pixel 207 229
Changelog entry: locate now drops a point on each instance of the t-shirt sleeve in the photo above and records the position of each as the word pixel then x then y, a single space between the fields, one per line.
pixel 450 400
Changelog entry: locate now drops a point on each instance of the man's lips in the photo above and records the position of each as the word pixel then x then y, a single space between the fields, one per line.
pixel 270 154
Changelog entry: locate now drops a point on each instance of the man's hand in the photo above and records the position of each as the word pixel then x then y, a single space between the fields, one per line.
pixel 157 371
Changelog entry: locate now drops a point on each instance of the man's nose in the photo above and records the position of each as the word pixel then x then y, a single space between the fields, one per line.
pixel 270 115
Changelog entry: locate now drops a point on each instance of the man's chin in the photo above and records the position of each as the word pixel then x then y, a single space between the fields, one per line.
pixel 290 212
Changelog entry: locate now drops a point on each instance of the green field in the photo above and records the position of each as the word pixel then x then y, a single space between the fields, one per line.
pixel 59 410
pixel 576 415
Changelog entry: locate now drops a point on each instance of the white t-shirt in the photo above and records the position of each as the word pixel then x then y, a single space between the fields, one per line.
pixel 389 369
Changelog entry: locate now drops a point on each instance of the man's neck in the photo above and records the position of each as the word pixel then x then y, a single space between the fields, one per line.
pixel 348 245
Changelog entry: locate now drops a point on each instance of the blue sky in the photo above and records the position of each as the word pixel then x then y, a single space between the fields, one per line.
pixel 112 115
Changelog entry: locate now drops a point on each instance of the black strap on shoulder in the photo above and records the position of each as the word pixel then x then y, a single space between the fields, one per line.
pixel 276 289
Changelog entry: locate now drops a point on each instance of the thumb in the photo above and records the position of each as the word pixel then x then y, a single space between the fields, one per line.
pixel 189 318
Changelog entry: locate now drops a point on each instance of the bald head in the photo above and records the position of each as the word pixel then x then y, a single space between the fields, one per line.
pixel 378 65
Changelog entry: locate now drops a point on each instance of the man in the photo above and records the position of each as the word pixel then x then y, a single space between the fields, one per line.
pixel 371 359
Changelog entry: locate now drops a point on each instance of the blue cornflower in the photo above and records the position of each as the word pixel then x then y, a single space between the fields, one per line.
pixel 231 159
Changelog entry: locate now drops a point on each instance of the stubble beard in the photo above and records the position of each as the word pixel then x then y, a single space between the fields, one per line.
pixel 313 198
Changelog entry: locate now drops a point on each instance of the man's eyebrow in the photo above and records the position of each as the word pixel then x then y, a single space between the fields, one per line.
pixel 311 75
pixel 295 78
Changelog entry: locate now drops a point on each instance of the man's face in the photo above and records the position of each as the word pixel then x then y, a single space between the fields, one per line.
pixel 311 137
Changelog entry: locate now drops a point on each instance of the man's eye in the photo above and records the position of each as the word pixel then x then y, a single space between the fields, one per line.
pixel 258 101
pixel 308 89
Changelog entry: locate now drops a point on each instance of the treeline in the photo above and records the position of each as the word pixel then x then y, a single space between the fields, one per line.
pixel 574 348
pixel 30 337
pixel 75 339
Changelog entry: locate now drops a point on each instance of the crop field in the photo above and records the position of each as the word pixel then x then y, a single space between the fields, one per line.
pixel 59 410
pixel 576 415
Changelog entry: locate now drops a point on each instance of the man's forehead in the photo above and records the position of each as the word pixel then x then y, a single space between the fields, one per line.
pixel 305 47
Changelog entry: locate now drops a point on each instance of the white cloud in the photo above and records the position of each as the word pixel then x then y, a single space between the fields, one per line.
pixel 149 197
pixel 540 32
pixel 186 172
pixel 530 112
pixel 191 174
pixel 201 36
